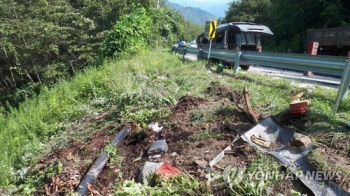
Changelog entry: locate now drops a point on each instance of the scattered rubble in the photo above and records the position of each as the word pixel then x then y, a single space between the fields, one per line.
pixel 158 148
pixel 300 140
pixel 175 149
pixel 155 127
pixel 297 106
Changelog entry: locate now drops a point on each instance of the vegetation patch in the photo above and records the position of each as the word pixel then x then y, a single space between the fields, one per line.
pixel 199 121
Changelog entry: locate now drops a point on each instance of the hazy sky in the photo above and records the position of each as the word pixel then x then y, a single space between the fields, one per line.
pixel 193 2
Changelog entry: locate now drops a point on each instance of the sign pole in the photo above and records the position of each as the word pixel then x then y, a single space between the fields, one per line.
pixel 209 50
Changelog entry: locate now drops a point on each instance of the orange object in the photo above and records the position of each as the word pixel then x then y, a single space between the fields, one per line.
pixel 299 107
pixel 166 171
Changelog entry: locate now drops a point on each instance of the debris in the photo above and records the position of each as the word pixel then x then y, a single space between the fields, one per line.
pixel 260 141
pixel 299 107
pixel 309 92
pixel 297 97
pixel 348 125
pixel 222 153
pixel 189 175
pixel 289 157
pixel 155 127
pixel 100 162
pixel 201 163
pixel 308 73
pixel 173 154
pixel 148 168
pixel 138 158
pixel 158 148
pixel 249 107
pixel 300 140
pixel 220 68
pixel 166 171
pixel 219 156
pixel 230 152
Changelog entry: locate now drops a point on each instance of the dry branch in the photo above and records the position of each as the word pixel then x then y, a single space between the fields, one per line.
pixel 249 107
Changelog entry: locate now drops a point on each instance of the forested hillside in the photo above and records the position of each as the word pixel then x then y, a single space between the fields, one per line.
pixel 46 41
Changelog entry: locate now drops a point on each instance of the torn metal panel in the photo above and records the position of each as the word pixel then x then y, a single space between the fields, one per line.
pixel 293 158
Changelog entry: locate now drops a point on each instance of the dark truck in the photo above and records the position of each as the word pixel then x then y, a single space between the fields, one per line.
pixel 331 41
pixel 235 36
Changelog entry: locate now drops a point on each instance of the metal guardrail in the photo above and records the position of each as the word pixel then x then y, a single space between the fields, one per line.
pixel 332 65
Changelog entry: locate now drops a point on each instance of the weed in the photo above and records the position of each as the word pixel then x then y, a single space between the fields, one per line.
pixel 207 133
pixel 203 115
pixel 227 111
pixel 111 150
pixel 177 185
pixel 88 162
pixel 143 116
pixel 110 174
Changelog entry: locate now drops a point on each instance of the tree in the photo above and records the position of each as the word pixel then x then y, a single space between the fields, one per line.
pixel 249 11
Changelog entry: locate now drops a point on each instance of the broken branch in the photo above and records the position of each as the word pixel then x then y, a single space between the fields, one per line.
pixel 249 107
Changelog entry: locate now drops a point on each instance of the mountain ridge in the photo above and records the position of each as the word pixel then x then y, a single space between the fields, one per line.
pixel 216 8
pixel 194 14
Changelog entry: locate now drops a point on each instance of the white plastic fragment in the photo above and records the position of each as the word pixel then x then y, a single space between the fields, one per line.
pixel 219 156
pixel 155 127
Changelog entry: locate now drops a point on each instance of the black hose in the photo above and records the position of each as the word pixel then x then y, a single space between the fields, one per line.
pixel 100 162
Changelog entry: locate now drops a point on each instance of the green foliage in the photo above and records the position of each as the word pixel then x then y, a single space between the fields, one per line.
pixel 290 19
pixel 128 34
pixel 203 115
pixel 110 149
pixel 207 133
pixel 249 10
pixel 177 185
pixel 227 111
pixel 38 179
pixel 44 42
pixel 143 116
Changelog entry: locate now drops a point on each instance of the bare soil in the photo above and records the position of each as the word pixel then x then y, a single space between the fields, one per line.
pixel 186 141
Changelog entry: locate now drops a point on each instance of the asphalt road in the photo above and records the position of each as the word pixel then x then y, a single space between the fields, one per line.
pixel 326 81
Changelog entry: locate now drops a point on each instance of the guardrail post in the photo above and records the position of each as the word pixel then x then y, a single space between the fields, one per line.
pixel 183 54
pixel 200 54
pixel 238 59
pixel 344 84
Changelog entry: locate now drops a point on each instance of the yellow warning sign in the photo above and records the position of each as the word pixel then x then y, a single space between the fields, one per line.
pixel 210 27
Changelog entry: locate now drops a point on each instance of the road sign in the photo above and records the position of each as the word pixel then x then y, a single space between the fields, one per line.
pixel 209 30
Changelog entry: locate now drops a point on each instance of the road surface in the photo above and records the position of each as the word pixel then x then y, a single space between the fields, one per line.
pixel 327 81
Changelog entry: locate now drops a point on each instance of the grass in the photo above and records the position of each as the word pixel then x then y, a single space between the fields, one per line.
pixel 207 133
pixel 136 89
pixel 177 185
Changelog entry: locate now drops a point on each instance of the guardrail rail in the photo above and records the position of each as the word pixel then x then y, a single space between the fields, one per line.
pixel 332 65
